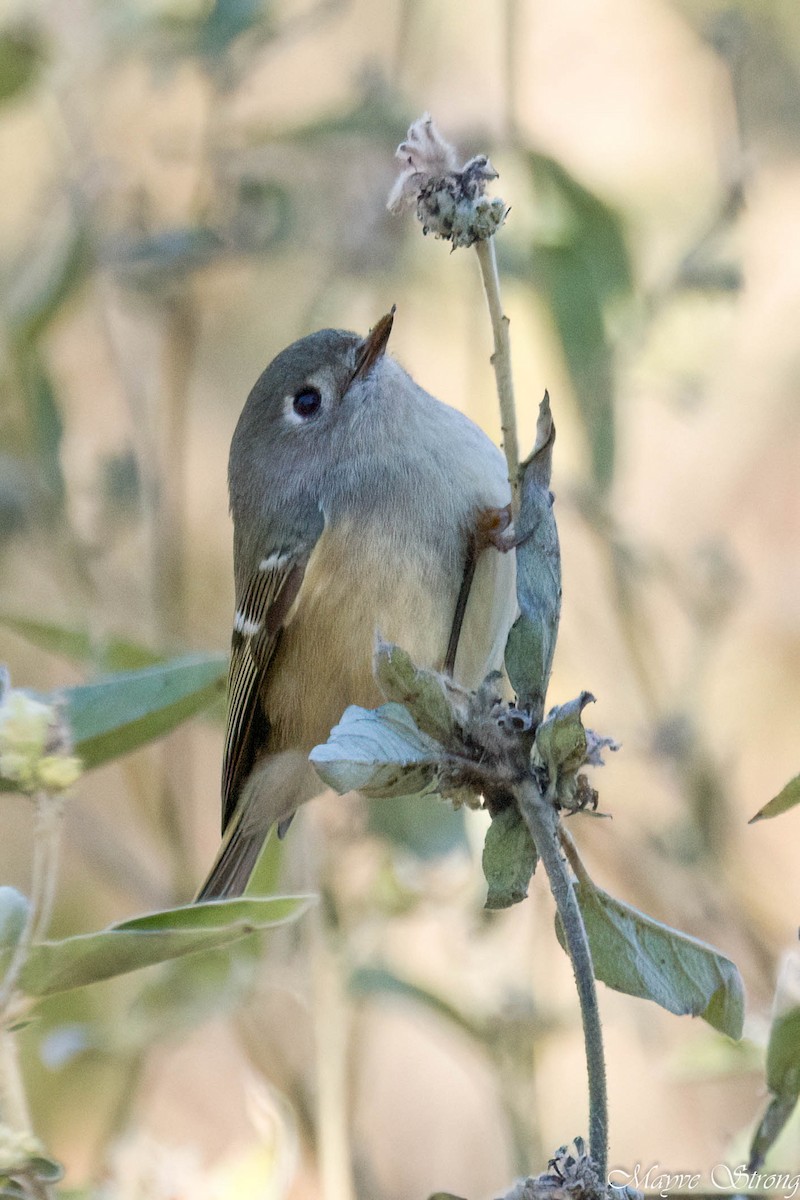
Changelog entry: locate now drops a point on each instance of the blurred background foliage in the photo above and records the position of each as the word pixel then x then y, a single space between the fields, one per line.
pixel 189 185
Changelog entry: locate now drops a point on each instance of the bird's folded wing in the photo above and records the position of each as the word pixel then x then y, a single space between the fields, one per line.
pixel 268 595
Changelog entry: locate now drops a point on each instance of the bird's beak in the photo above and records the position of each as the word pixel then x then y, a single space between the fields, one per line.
pixel 373 345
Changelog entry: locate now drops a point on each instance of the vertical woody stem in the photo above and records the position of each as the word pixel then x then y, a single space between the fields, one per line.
pixel 501 361
pixel 542 820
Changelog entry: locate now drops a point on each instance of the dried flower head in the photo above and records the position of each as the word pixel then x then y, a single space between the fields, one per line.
pixel 572 1175
pixel 449 199
pixel 35 745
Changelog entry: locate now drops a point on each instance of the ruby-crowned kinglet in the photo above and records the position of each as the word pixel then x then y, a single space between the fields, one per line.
pixel 358 502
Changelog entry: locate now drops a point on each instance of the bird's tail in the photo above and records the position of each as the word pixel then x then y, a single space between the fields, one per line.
pixel 274 790
pixel 233 866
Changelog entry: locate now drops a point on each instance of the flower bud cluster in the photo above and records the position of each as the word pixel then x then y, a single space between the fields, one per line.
pixel 17 1149
pixel 449 199
pixel 35 746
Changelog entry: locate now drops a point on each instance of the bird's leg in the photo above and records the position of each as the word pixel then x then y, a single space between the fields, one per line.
pixel 492 528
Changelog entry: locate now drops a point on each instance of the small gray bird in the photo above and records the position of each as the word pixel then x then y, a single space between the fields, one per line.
pixel 361 506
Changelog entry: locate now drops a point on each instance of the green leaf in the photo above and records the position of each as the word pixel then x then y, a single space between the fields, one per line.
pixel 379 752
pixel 770 1127
pixel 561 738
pixel 532 641
pixel 376 116
pixel 423 692
pixel 46 425
pixel 639 956
pixel 53 272
pixel 581 266
pixel 77 645
pixel 423 828
pixel 783 1054
pixel 154 261
pixel 786 798
pixel 228 20
pixel 509 859
pixel 45 1169
pixel 21 55
pixel 154 938
pixel 14 909
pixel 115 715
pixel 372 981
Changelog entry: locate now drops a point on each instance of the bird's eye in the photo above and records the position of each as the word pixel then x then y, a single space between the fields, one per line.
pixel 307 401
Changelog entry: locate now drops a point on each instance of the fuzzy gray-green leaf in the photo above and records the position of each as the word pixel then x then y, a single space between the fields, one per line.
pixel 509 859
pixel 561 739
pixel 418 689
pixel 154 938
pixel 379 752
pixel 532 641
pixel 783 1054
pixel 635 954
pixel 118 714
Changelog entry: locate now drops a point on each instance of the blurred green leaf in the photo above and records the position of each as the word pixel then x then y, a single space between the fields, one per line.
pixel 421 691
pixel 122 483
pixel 15 496
pixel 116 715
pixel 376 981
pixel 44 419
pixel 783 1054
pixel 54 270
pixel 229 19
pixel 262 216
pixel 45 1169
pixel 420 826
pixel 532 641
pixel 379 752
pixel 14 909
pixel 787 798
pixel 377 115
pixel 154 938
pixel 581 267
pixel 639 956
pixel 509 859
pixel 76 645
pixel 770 1127
pixel 21 56
pixel 783 1080
pixel 157 260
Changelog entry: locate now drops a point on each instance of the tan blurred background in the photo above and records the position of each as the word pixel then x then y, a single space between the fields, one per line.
pixel 187 187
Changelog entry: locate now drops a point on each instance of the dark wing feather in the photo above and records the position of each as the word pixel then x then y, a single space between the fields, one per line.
pixel 269 594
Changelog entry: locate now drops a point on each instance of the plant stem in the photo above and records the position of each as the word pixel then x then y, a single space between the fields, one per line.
pixel 331 1020
pixel 501 361
pixel 13 1101
pixel 46 843
pixel 542 820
